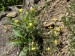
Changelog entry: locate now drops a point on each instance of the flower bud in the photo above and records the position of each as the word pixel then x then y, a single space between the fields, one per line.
pixel 30 24
pixel 33 48
pixel 21 10
pixel 16 21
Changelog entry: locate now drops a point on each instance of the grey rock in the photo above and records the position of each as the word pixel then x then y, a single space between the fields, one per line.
pixel 2 15
pixel 12 14
pixel 15 8
pixel 5 21
pixel 19 6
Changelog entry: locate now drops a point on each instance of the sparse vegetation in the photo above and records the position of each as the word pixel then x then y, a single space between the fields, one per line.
pixel 37 38
pixel 5 3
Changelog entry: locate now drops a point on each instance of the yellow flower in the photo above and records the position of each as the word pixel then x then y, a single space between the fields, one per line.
pixel 55 32
pixel 30 24
pixel 50 27
pixel 16 21
pixel 32 43
pixel 61 27
pixel 57 29
pixel 48 49
pixel 55 42
pixel 26 12
pixel 54 19
pixel 32 9
pixel 21 10
pixel 33 48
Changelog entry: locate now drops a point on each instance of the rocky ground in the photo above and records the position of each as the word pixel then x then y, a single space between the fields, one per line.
pixel 6 49
pixel 55 9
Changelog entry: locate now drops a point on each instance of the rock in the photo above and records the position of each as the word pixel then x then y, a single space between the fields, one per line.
pixel 15 8
pixel 2 15
pixel 10 50
pixel 61 24
pixel 19 6
pixel 59 17
pixel 12 14
pixel 5 21
pixel 47 24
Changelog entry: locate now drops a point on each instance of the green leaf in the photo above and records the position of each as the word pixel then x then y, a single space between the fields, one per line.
pixel 24 51
pixel 14 24
pixel 16 42
pixel 17 33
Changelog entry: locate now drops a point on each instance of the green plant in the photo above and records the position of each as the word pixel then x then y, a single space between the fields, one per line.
pixel 72 7
pixel 27 34
pixel 26 30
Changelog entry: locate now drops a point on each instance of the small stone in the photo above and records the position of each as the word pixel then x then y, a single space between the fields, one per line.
pixel 17 52
pixel 58 23
pixel 59 17
pixel 67 14
pixel 12 14
pixel 5 31
pixel 47 24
